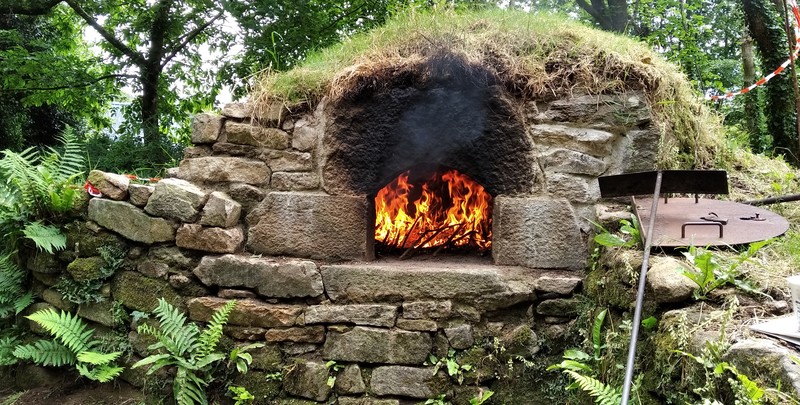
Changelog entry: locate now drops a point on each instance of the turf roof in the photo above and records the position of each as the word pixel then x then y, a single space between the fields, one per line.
pixel 533 56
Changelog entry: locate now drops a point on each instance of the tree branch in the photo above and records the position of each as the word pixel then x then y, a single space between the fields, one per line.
pixel 74 85
pixel 188 38
pixel 27 7
pixel 136 57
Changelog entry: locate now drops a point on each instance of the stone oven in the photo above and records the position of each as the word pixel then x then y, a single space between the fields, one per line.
pixel 276 204
pixel 319 172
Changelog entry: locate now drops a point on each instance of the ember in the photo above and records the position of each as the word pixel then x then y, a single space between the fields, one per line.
pixel 445 209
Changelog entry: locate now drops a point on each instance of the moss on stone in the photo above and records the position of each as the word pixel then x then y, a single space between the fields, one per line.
pixel 141 293
pixel 84 241
pixel 267 358
pixel 264 390
pixel 86 268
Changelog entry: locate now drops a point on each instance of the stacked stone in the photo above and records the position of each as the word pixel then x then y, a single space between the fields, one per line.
pixel 171 210
pixel 250 150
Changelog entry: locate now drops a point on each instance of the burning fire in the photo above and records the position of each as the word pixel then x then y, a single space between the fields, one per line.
pixel 446 209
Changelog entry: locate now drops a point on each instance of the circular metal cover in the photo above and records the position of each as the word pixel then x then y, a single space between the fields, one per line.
pixel 745 223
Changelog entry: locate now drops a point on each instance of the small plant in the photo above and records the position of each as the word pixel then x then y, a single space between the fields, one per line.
pixel 439 400
pixel 578 365
pixel 630 228
pixel 482 397
pixel 73 345
pixel 193 353
pixel 240 394
pixel 36 189
pixel 711 271
pixel 334 367
pixel 451 365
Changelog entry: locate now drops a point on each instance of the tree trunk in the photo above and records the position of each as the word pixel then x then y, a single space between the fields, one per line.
pixel 751 112
pixel 765 25
pixel 151 130
pixel 611 15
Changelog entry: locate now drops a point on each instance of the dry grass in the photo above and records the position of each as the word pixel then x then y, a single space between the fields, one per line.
pixel 533 56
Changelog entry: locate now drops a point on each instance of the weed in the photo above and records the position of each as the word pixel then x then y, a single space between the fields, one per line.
pixel 240 394
pixel 454 369
pixel 334 368
pixel 439 400
pixel 711 271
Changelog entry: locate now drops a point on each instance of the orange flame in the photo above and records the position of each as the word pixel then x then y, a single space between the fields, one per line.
pixel 448 208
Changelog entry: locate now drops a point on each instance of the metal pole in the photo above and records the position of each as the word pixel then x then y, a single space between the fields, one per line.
pixel 637 314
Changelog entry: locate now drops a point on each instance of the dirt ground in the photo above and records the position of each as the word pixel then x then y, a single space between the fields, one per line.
pixel 116 393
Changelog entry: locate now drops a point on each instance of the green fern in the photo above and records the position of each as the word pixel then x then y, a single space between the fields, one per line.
pixel 210 337
pixel 193 353
pixel 102 373
pixel 69 330
pixel 46 237
pixel 603 394
pixel 13 296
pixel 72 346
pixel 7 345
pixel 46 353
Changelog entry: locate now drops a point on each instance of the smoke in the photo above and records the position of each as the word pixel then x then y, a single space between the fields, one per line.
pixel 450 112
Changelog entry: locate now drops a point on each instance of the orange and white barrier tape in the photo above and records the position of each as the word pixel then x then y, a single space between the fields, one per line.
pixel 779 70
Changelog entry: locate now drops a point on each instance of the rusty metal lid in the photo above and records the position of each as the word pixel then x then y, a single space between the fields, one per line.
pixel 701 222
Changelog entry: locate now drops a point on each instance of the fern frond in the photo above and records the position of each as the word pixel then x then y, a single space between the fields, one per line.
pixel 156 359
pixel 70 162
pixel 23 302
pixel 603 394
pixel 97 359
pixel 68 329
pixel 178 337
pixel 23 178
pixel 188 389
pixel 102 373
pixel 210 337
pixel 7 345
pixel 46 237
pixel 45 353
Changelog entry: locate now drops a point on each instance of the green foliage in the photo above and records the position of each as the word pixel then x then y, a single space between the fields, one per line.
pixel 603 393
pixel 630 228
pixel 454 369
pixel 441 399
pixel 240 394
pixel 46 72
pixel 587 370
pixel 744 389
pixel 47 238
pixel 36 188
pixel 7 345
pixel 482 397
pixel 334 368
pixel 193 353
pixel 73 345
pixel 710 270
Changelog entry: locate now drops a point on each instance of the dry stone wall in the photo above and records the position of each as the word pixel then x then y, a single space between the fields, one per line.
pixel 250 219
pixel 379 322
